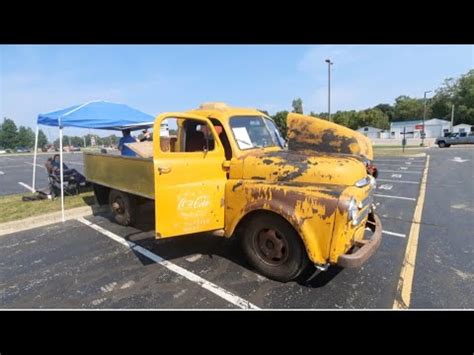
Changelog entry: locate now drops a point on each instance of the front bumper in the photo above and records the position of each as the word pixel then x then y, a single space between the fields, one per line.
pixel 365 247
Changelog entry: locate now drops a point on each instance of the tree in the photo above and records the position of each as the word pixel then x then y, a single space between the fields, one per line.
pixel 322 115
pixel 280 120
pixel 371 117
pixel 42 139
pixel 387 109
pixel 297 105
pixel 457 92
pixel 25 137
pixel 8 134
pixel 407 108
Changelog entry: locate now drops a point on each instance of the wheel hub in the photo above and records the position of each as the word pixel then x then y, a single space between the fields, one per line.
pixel 117 206
pixel 272 246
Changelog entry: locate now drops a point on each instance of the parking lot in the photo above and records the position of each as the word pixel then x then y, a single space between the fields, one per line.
pixel 92 262
pixel 16 171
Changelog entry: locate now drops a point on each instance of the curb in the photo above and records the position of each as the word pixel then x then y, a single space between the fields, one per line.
pixel 47 219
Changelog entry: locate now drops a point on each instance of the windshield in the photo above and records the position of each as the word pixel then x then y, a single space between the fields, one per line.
pixel 254 132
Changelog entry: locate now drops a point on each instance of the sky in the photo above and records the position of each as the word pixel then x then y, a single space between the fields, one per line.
pixel 161 78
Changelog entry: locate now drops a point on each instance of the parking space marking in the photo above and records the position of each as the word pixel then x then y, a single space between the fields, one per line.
pixel 33 164
pixel 396 197
pixel 399 181
pixel 390 233
pixel 397 171
pixel 219 291
pixel 26 186
pixel 402 166
pixel 405 283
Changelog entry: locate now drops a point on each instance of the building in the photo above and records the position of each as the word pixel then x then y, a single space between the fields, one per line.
pixel 463 129
pixel 370 132
pixel 433 128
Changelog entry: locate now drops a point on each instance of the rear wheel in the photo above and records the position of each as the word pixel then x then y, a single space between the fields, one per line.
pixel 124 207
pixel 274 248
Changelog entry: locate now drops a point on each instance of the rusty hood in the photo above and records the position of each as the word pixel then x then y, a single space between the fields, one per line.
pixel 302 167
pixel 306 133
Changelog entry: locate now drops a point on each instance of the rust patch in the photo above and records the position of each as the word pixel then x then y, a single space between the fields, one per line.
pixel 296 205
pixel 236 186
pixel 327 141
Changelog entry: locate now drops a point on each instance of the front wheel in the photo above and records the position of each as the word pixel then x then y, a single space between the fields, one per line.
pixel 441 144
pixel 123 206
pixel 274 248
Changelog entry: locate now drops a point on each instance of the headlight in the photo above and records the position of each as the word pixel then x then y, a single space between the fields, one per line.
pixel 352 209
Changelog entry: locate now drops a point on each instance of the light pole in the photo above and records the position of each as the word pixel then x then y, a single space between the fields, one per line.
pixel 329 87
pixel 424 118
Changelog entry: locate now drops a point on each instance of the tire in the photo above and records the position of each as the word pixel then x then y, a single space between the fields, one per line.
pixel 442 144
pixel 448 145
pixel 123 207
pixel 274 248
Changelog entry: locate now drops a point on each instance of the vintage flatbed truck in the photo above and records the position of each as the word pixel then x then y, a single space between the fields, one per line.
pixel 227 170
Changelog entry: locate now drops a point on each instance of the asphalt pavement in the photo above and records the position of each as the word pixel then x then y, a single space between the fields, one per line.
pixel 95 263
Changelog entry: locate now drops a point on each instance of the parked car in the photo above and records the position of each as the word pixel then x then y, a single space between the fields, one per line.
pixel 455 138
pixel 2 150
pixel 22 150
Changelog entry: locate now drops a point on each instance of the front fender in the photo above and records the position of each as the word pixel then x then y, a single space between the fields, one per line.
pixel 309 209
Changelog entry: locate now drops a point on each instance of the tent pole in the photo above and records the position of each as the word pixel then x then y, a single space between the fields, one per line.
pixel 61 170
pixel 34 160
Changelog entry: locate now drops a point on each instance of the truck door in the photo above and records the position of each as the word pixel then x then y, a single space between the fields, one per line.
pixel 189 176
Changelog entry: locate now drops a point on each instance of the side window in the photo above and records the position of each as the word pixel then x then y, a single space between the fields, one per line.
pixel 185 135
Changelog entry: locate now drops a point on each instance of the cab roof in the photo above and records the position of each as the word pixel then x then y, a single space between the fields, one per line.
pixel 222 110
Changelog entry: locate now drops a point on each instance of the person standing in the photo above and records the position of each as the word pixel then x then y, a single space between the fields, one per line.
pixel 127 138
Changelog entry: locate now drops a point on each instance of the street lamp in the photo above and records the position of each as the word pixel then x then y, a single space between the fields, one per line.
pixel 329 87
pixel 424 118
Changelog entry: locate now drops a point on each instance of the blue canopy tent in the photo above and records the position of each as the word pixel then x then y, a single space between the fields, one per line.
pixel 94 115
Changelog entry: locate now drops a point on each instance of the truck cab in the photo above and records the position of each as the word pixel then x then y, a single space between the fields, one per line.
pixel 305 201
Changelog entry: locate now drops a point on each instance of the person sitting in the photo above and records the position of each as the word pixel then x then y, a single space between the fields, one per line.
pixel 54 167
pixel 127 138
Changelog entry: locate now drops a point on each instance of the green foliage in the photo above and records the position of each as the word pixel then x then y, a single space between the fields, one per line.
pixel 407 108
pixel 42 139
pixel 8 134
pixel 297 105
pixel 25 137
pixel 457 92
pixel 280 120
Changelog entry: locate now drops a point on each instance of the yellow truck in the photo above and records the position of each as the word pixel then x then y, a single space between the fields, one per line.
pixel 294 204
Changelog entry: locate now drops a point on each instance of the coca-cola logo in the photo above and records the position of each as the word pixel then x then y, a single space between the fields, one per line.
pixel 192 203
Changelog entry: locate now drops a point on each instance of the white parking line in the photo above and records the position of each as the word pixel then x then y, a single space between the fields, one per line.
pixel 2 173
pixel 419 160
pixel 399 165
pixel 26 186
pixel 224 294
pixel 33 164
pixel 396 197
pixel 397 171
pixel 399 181
pixel 391 233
